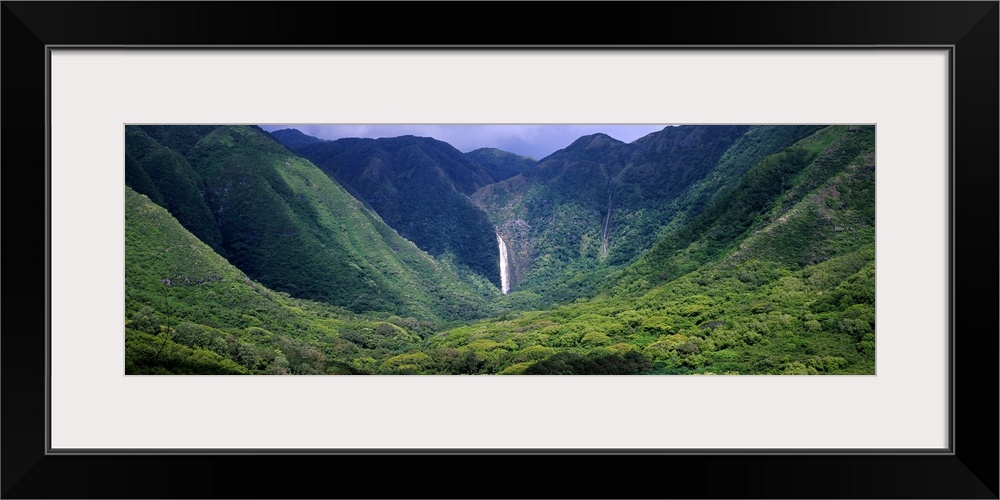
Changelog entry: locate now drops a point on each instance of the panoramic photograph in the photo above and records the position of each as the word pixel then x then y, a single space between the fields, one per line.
pixel 629 249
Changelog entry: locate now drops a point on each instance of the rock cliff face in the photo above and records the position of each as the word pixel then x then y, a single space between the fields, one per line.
pixel 499 202
pixel 520 247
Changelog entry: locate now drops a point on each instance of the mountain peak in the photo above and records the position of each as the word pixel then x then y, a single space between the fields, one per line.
pixel 499 163
pixel 294 138
pixel 292 132
pixel 595 141
pixel 497 153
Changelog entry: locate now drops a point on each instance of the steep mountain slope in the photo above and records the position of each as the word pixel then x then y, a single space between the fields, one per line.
pixel 745 152
pixel 599 203
pixel 756 256
pixel 188 311
pixel 293 138
pixel 288 225
pixel 419 186
pixel 167 178
pixel 499 163
pixel 180 138
pixel 775 185
pixel 185 306
pixel 673 171
pixel 775 276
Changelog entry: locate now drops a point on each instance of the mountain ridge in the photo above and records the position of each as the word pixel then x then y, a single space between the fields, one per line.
pixel 420 187
pixel 291 227
pixel 693 250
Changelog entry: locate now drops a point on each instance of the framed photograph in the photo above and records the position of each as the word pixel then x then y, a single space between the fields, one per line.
pixel 824 236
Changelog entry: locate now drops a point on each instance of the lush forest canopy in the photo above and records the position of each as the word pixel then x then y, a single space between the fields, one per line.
pixel 693 250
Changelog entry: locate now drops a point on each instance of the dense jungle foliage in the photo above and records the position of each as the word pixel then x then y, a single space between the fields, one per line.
pixel 694 250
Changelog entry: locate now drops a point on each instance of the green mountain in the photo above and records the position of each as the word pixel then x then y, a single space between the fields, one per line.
pixel 499 163
pixel 185 306
pixel 289 226
pixel 773 186
pixel 167 178
pixel 180 138
pixel 775 276
pixel 694 250
pixel 189 311
pixel 293 138
pixel 420 187
pixel 598 204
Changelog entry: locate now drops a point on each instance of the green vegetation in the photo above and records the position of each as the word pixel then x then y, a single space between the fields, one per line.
pixel 593 208
pixel 293 138
pixel 178 138
pixel 766 193
pixel 286 223
pixel 419 187
pixel 188 311
pixel 500 164
pixel 166 177
pixel 754 317
pixel 766 268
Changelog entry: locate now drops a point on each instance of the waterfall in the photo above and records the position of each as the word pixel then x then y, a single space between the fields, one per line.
pixel 504 271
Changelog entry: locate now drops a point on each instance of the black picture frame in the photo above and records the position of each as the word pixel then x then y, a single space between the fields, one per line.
pixel 969 470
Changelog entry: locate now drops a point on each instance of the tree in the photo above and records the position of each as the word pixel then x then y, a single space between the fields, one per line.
pixel 146 320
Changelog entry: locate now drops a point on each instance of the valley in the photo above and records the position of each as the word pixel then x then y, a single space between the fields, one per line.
pixel 691 250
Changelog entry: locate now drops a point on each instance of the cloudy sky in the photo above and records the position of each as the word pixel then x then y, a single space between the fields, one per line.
pixel 535 141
